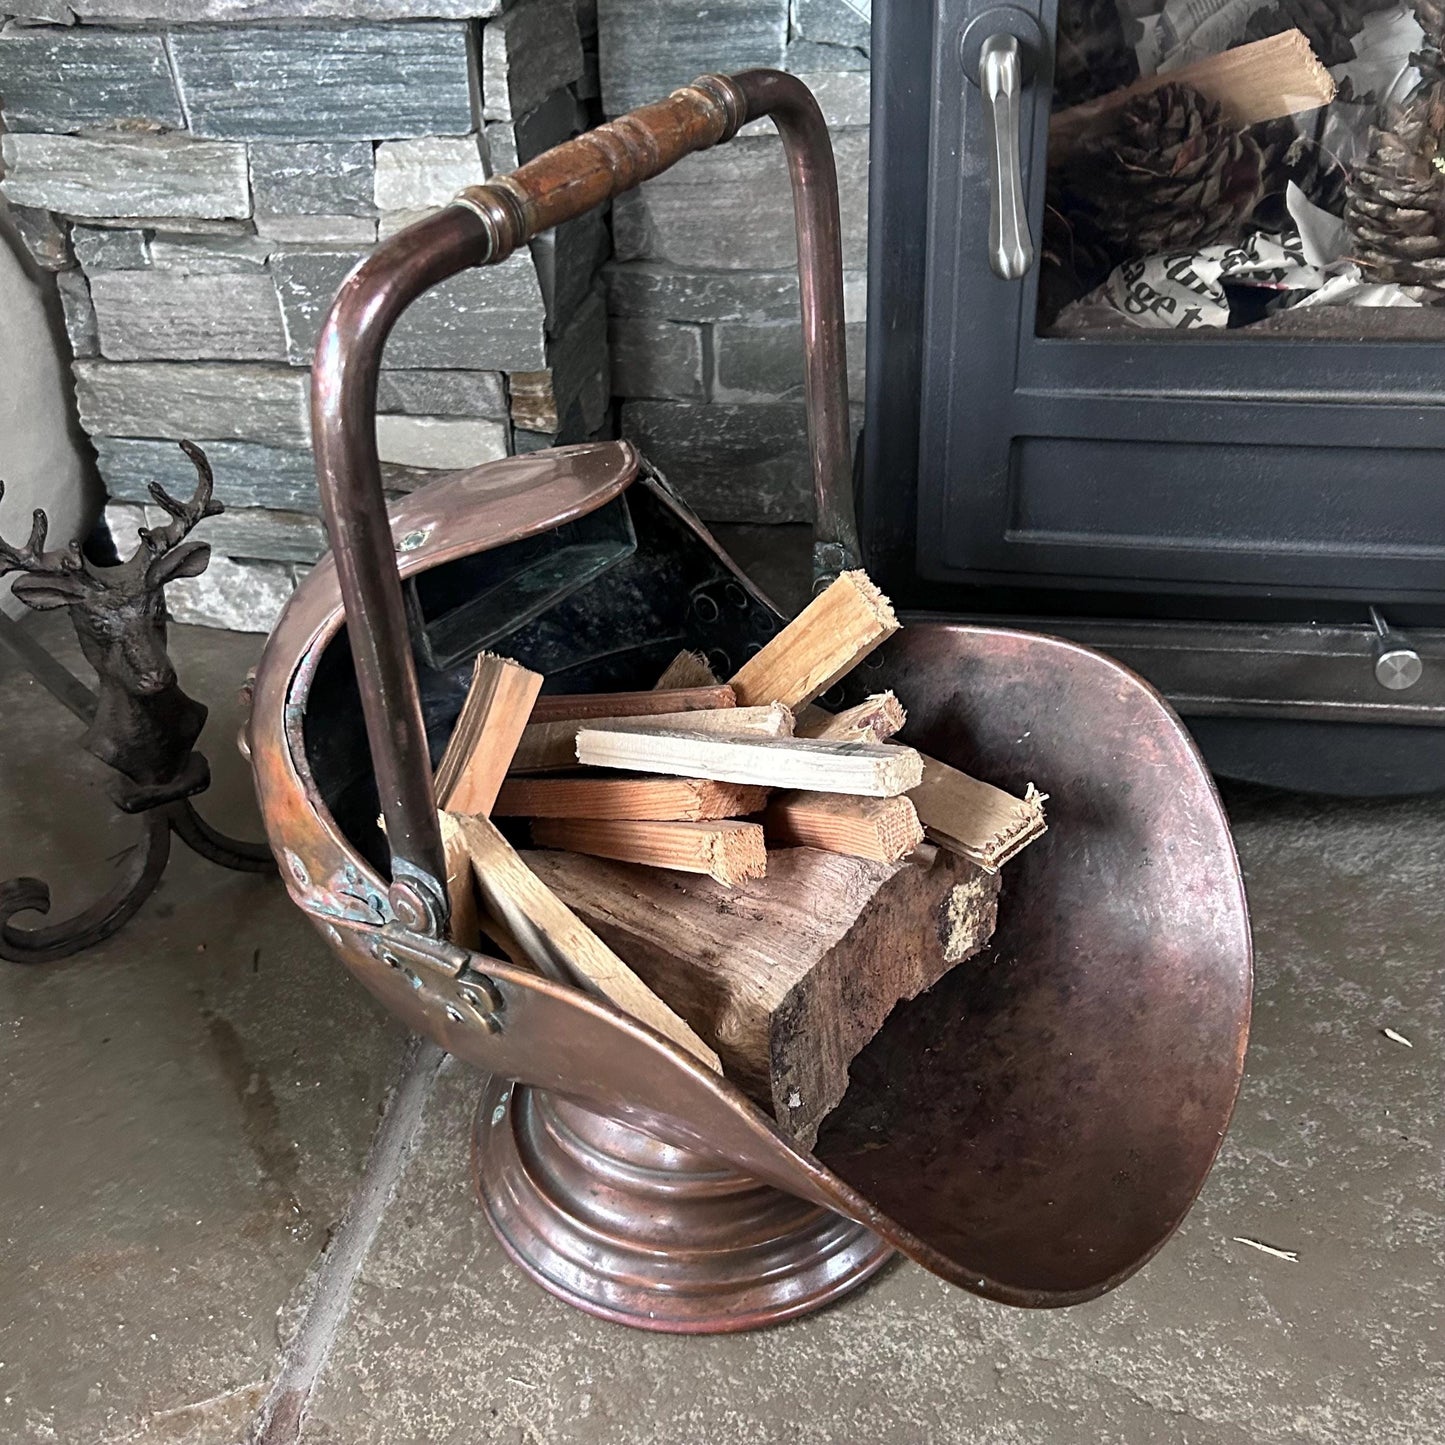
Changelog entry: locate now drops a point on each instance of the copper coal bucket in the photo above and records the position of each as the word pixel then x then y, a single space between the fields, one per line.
pixel 1032 1129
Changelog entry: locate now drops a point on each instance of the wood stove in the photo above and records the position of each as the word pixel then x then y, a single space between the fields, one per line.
pixel 1207 458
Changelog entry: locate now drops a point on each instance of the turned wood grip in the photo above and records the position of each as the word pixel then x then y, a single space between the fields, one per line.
pixel 572 178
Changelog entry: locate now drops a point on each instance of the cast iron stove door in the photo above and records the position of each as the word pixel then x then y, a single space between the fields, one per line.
pixel 1200 353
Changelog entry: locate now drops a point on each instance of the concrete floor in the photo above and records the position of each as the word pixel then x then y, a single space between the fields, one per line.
pixel 187 1111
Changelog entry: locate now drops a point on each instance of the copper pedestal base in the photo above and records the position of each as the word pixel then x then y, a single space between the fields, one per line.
pixel 623 1226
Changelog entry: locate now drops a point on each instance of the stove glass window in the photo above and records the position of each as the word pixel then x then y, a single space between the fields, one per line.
pixel 1258 167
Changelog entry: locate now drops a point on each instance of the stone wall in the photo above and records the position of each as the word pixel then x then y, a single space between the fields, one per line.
pixel 702 291
pixel 200 175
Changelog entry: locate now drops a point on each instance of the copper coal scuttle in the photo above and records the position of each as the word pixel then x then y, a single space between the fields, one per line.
pixel 1032 1130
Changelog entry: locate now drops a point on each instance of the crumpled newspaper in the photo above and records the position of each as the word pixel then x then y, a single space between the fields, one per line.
pixel 1383 48
pixel 1189 290
pixel 1188 30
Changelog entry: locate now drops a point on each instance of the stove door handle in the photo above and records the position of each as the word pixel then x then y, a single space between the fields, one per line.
pixel 1000 78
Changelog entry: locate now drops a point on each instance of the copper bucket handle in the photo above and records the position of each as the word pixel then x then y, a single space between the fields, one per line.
pixel 483 226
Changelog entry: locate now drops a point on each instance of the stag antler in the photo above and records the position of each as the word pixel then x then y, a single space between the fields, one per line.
pixel 166 557
pixel 48 569
pixel 159 540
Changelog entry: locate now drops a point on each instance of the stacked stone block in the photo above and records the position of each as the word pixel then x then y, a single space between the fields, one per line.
pixel 703 292
pixel 201 175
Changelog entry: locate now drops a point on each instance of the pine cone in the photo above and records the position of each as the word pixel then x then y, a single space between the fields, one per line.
pixel 1290 156
pixel 1072 263
pixel 1395 209
pixel 1328 25
pixel 1431 16
pixel 1172 176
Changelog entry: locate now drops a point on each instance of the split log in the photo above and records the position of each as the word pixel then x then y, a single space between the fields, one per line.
pixel 489 727
pixel 558 707
pixel 1278 76
pixel 885 829
pixel 975 819
pixel 874 720
pixel 545 747
pixel 727 850
pixel 834 632
pixel 539 931
pixel 684 799
pixel 875 770
pixel 464 925
pixel 790 977
pixel 687 669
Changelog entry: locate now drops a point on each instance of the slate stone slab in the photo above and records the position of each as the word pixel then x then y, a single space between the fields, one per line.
pixel 127 177
pixel 808 57
pixel 842 96
pixel 513 143
pixel 56 11
pixel 682 215
pixel 199 400
pixel 317 230
pixel 43 236
pixel 312 178
pixel 178 316
pixel 439 443
pixel 765 363
pixel 240 531
pixel 656 358
pixel 730 463
pixel 79 313
pixel 416 174
pixel 176 225
pixel 835 22
pixel 239 596
pixel 652 288
pixel 491 318
pixel 388 223
pixel 194 12
pixel 443 393
pixel 567 258
pixel 266 535
pixel 581 370
pixel 207 255
pixel 534 403
pixel 66 80
pixel 301 82
pixel 99 248
pixel 569 400
pixel 647 48
pixel 247 474
pixel 589 87
pixel 528 52
pixel 524 441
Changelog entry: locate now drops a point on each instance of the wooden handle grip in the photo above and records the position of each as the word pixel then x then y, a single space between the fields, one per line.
pixel 572 178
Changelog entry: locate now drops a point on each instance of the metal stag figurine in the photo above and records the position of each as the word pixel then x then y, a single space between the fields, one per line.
pixel 141 723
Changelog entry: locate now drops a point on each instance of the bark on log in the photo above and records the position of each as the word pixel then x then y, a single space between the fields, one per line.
pixel 788 978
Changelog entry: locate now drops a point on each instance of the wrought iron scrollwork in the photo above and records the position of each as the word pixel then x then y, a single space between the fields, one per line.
pixel 140 722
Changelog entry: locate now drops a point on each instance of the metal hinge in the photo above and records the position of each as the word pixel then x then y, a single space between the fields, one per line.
pixel 442 971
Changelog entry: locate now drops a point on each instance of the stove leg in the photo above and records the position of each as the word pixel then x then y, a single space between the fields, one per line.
pixel 644 1233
